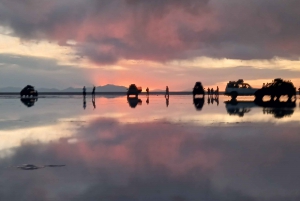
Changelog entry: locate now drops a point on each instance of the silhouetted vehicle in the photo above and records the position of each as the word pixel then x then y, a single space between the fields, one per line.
pixel 239 108
pixel 29 102
pixel 277 88
pixel 28 91
pixel 198 102
pixel 239 88
pixel 133 102
pixel 134 90
pixel 198 89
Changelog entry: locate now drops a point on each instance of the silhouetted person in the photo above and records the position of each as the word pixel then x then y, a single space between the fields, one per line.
pixel 167 92
pixel 147 90
pixel 93 92
pixel 94 103
pixel 212 92
pixel 147 101
pixel 208 91
pixel 167 101
pixel 299 90
pixel 84 91
pixel 84 102
pixel 217 91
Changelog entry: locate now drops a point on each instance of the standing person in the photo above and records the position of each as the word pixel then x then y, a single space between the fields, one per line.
pixel 167 91
pixel 208 91
pixel 147 90
pixel 217 91
pixel 212 92
pixel 84 91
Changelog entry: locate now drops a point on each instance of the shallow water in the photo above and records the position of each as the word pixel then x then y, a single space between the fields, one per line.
pixel 163 150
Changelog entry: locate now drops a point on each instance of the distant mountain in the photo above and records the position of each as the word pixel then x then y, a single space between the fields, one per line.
pixel 10 89
pixel 105 88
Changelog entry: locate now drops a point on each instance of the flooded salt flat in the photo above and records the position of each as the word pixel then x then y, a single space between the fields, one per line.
pixel 155 149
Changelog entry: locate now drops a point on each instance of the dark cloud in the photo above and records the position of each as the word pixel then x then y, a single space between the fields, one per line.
pixel 109 30
pixel 18 71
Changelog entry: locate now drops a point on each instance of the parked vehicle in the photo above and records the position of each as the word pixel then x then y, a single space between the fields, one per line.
pixel 198 89
pixel 28 91
pixel 278 87
pixel 134 90
pixel 239 88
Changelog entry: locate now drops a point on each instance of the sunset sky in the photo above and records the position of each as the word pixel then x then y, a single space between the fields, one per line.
pixel 152 43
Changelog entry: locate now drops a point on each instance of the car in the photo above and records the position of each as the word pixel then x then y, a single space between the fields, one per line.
pixel 239 88
pixel 198 89
pixel 28 91
pixel 134 90
pixel 278 87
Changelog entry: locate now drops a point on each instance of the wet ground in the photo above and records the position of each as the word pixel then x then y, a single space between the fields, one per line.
pixel 176 149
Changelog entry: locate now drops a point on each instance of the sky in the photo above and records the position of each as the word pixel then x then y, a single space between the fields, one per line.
pixel 71 43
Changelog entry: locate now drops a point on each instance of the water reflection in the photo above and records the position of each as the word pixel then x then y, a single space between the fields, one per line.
pixel 29 102
pixel 199 102
pixel 167 100
pixel 34 167
pixel 134 101
pixel 148 153
pixel 84 102
pixel 94 101
pixel 239 108
pixel 277 108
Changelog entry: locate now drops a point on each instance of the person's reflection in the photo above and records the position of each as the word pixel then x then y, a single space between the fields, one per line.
pixel 94 102
pixel 147 101
pixel 212 100
pixel 208 100
pixel 217 100
pixel 84 102
pixel 167 101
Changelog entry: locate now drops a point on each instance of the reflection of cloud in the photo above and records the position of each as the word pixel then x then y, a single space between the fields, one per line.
pixel 162 161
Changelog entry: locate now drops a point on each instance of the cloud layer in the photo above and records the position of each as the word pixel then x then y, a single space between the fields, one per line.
pixel 106 31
